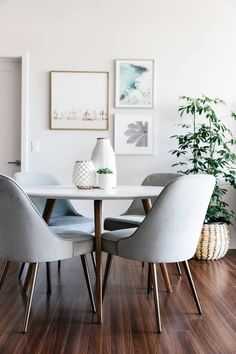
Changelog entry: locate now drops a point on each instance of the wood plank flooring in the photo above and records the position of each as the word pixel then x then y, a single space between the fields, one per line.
pixel 64 323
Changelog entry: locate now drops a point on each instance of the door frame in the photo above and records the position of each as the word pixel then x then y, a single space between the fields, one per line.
pixel 24 61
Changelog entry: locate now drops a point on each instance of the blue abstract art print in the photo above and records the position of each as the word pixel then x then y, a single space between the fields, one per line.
pixel 134 83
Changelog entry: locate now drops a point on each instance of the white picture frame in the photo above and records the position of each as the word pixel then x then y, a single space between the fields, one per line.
pixel 134 134
pixel 134 83
pixel 79 100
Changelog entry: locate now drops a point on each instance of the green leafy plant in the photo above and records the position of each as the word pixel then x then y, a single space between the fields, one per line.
pixel 104 171
pixel 205 146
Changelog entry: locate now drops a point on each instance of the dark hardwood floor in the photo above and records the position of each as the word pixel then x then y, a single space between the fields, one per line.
pixel 64 323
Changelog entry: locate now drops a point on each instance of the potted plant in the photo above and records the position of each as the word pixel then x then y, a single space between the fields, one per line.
pixel 105 178
pixel 205 146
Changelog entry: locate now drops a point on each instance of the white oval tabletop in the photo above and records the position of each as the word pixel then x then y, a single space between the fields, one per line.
pixel 71 192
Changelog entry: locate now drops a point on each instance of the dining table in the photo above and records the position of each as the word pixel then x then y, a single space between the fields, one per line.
pixel 98 196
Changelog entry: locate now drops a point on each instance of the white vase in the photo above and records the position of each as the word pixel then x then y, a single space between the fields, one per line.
pixel 103 156
pixel 84 175
pixel 105 181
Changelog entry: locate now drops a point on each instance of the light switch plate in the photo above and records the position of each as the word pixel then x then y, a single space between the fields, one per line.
pixel 34 146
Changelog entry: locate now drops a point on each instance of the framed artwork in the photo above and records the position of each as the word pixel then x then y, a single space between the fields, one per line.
pixel 134 134
pixel 79 100
pixel 134 83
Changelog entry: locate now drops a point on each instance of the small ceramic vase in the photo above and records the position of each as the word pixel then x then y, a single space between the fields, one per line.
pixel 105 181
pixel 84 175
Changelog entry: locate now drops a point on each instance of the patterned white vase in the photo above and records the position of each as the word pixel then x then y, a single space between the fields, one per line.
pixel 84 175
pixel 103 156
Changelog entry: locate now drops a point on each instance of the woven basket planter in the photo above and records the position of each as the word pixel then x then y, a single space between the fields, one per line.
pixel 213 242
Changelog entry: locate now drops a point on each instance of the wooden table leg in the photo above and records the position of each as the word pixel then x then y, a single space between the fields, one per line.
pixel 48 209
pixel 98 232
pixel 147 205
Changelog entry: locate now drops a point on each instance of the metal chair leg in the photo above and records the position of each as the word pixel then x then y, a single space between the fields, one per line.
pixel 21 270
pixel 29 274
pixel 106 274
pixel 156 296
pixel 178 268
pixel 149 282
pixel 27 278
pixel 88 281
pixel 166 278
pixel 49 287
pixel 191 283
pixel 59 265
pixel 4 273
pixel 94 261
pixel 29 302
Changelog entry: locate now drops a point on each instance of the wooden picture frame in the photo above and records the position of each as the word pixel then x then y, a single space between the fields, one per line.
pixel 79 100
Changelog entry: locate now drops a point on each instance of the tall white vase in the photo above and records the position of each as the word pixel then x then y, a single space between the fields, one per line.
pixel 103 156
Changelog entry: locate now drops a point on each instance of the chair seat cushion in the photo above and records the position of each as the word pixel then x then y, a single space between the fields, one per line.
pixel 123 222
pixel 110 239
pixel 73 223
pixel 83 242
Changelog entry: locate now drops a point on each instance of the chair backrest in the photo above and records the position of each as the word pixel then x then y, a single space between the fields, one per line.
pixel 24 236
pixel 28 179
pixel 171 230
pixel 155 179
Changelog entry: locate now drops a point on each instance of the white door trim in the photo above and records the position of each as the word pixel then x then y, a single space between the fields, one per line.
pixel 24 111
pixel 24 60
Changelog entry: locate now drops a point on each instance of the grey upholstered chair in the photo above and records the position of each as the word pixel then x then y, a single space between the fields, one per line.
pixel 169 233
pixel 63 214
pixel 25 237
pixel 64 217
pixel 135 214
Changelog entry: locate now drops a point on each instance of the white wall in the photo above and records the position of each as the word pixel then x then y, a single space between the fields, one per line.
pixel 193 43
